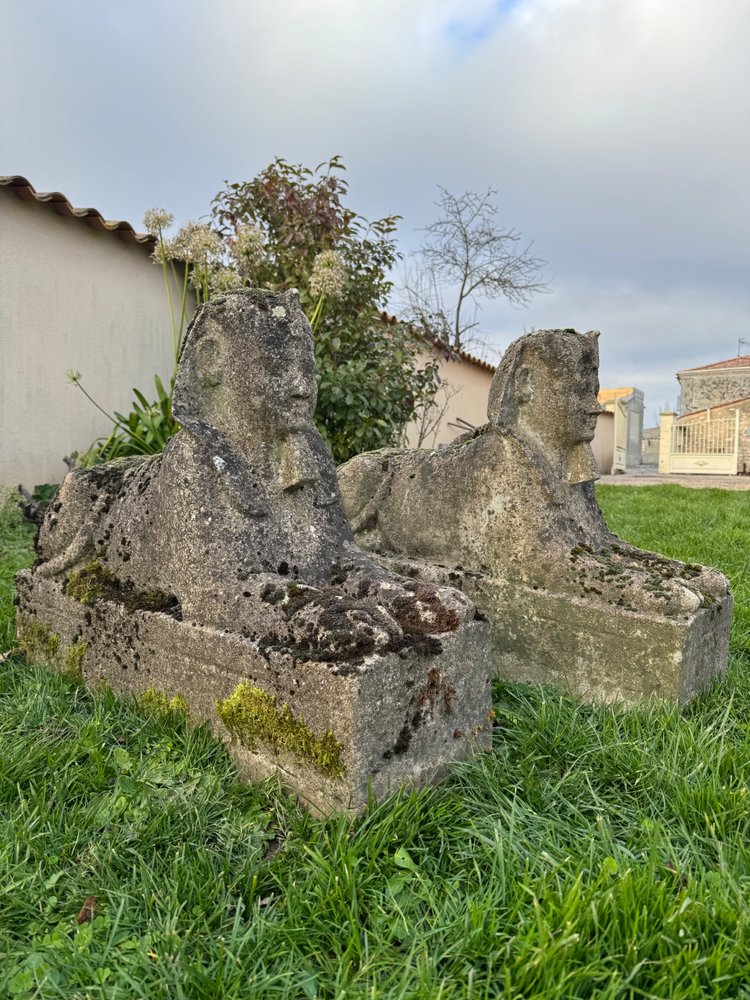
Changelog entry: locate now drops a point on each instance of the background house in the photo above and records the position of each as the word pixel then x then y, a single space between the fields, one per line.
pixel 711 431
pixel 714 384
pixel 650 446
pixel 76 292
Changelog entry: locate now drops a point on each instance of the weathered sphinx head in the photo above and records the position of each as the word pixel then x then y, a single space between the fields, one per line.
pixel 247 368
pixel 545 388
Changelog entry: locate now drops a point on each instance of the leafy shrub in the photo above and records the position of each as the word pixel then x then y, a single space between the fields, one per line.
pixel 369 381
pixel 289 228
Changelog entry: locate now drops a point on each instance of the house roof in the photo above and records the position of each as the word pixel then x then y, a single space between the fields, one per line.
pixel 741 361
pixel 60 204
pixel 610 395
pixel 450 352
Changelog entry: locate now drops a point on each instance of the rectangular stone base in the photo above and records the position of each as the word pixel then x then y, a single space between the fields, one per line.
pixel 595 651
pixel 347 732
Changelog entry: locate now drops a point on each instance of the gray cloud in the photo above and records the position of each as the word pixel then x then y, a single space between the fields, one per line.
pixel 616 133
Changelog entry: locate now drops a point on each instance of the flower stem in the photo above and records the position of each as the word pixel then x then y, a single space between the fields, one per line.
pixel 317 313
pixel 118 423
pixel 169 293
pixel 92 400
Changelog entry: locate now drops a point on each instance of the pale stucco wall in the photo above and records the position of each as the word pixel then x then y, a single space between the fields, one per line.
pixel 70 297
pixel 603 444
pixel 464 398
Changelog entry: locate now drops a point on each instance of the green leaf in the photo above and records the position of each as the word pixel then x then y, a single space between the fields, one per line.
pixel 403 859
pixel 160 390
pixel 53 880
pixel 309 986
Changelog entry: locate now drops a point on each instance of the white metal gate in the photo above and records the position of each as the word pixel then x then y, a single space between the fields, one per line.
pixel 709 446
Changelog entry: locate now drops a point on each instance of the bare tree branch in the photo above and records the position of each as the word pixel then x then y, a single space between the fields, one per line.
pixel 467 250
pixel 430 416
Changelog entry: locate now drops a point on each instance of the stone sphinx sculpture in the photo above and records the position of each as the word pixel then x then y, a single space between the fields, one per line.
pixel 508 514
pixel 224 573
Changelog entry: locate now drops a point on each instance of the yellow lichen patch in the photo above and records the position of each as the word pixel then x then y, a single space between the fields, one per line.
pixel 252 716
pixel 159 703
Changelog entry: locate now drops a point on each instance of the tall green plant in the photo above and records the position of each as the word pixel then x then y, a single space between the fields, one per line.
pixel 145 430
pixel 148 426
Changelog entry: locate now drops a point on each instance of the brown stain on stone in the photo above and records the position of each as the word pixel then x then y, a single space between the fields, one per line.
pixel 424 613
pixel 433 693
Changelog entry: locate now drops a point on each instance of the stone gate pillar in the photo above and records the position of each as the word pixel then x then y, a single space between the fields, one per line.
pixel 665 439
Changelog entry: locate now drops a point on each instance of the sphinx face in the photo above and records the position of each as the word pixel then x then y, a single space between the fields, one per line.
pixel 571 405
pixel 253 379
pixel 285 387
pixel 552 397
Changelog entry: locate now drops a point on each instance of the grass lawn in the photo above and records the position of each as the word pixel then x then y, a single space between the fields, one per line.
pixel 593 853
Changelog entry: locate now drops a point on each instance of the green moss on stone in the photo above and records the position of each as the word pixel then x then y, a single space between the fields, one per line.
pixel 252 716
pixel 37 640
pixel 159 703
pixel 72 663
pixel 96 582
pixel 92 583
pixel 271 594
pixel 42 645
pixel 149 600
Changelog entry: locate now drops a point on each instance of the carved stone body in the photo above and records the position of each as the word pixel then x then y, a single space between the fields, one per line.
pixel 238 528
pixel 508 513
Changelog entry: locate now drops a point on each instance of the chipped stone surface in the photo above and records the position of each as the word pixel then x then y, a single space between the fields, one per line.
pixel 508 513
pixel 229 559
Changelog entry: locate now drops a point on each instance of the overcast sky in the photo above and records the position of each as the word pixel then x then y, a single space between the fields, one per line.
pixel 617 133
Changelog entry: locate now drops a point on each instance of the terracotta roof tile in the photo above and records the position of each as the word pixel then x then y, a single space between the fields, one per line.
pixel 450 352
pixel 60 204
pixel 741 361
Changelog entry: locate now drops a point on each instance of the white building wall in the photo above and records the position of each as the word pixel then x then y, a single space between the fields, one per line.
pixel 70 297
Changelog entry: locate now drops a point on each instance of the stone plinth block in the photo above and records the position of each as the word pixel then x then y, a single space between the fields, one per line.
pixel 510 510
pixel 334 732
pixel 596 652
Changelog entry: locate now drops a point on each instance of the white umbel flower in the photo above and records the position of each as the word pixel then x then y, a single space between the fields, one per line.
pixel 196 242
pixel 248 249
pixel 328 275
pixel 224 280
pixel 156 220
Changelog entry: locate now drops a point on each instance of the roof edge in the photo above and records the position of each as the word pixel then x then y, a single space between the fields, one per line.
pixel 726 365
pixel 26 191
pixel 451 353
